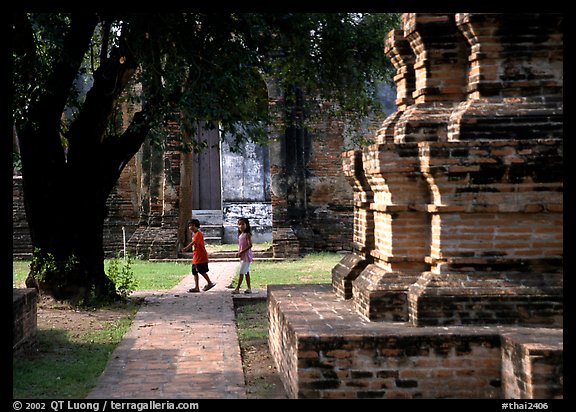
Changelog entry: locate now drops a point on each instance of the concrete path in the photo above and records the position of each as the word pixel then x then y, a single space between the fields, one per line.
pixel 180 345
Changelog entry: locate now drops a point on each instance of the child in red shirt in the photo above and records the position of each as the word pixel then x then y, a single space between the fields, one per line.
pixel 199 256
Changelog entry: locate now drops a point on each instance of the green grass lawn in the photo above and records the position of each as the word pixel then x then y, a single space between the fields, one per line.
pixel 312 268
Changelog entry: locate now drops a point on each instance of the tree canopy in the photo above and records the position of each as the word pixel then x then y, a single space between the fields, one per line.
pixel 211 65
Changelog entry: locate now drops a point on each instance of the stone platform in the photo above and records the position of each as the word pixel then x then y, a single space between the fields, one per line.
pixel 324 349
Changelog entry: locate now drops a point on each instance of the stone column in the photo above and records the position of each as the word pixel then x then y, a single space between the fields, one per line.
pixel 139 242
pixel 497 243
pixel 157 237
pixel 165 238
pixel 284 181
pixel 184 198
pixel 143 166
pixel 437 51
pixel 171 183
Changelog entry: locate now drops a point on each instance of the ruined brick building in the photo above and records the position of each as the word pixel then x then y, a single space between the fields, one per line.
pixel 293 190
pixel 454 288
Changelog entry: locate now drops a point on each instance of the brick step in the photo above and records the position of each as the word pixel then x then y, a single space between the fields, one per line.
pixel 227 255
pixel 22 256
pixel 187 260
pixel 232 253
pixel 213 234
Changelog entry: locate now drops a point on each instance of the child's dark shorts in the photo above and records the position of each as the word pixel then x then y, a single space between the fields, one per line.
pixel 199 268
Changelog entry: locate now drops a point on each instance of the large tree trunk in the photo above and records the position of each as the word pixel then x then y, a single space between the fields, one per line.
pixel 66 210
pixel 66 214
pixel 71 250
pixel 65 193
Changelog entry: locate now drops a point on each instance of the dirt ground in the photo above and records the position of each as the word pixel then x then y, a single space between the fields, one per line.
pixel 262 380
pixel 55 315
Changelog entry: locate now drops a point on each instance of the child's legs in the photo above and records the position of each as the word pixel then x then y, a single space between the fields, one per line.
pixel 205 275
pixel 195 273
pixel 244 272
pixel 203 270
pixel 240 279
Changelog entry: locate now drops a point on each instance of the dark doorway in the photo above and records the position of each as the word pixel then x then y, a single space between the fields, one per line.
pixel 206 180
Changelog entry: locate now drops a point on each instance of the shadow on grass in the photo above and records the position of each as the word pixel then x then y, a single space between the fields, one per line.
pixel 58 367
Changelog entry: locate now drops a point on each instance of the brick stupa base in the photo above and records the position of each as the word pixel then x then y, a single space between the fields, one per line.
pixel 324 349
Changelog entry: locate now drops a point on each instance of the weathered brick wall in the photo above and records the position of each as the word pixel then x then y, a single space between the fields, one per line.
pixel 160 210
pixel 311 200
pixel 24 321
pixel 122 219
pixel 21 242
pixel 329 194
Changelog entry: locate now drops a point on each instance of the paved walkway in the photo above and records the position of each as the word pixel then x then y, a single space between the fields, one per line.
pixel 180 346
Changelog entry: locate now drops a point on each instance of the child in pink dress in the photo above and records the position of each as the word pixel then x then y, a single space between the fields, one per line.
pixel 244 253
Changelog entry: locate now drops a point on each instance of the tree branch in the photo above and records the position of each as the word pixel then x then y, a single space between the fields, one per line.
pixel 110 80
pixel 23 45
pixel 118 152
pixel 76 43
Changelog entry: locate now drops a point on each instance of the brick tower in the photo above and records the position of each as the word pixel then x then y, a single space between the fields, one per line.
pixel 455 284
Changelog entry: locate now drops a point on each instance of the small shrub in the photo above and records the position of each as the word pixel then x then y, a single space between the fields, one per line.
pixel 120 272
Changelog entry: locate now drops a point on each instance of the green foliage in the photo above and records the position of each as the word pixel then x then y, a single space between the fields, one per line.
pixel 42 264
pixel 46 267
pixel 16 161
pixel 120 272
pixel 215 66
